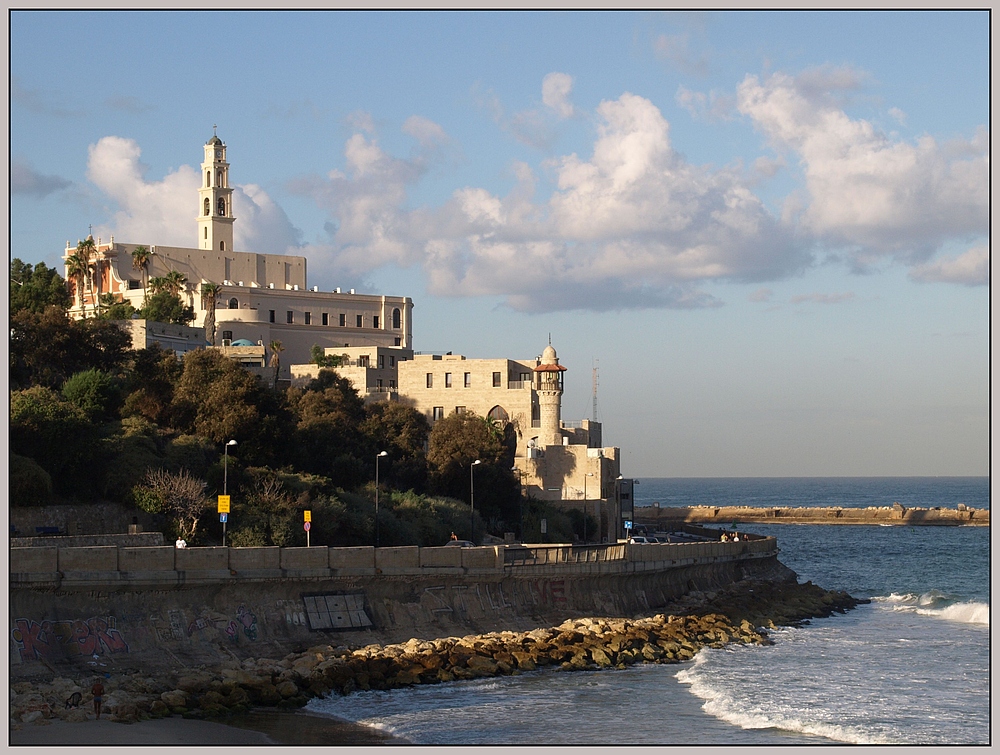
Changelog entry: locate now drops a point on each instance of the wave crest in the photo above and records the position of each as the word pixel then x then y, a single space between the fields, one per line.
pixel 940 605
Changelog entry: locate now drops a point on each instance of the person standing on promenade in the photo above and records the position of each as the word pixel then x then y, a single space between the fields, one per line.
pixel 98 692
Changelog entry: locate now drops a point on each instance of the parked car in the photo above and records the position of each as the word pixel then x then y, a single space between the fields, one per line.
pixel 460 544
pixel 640 539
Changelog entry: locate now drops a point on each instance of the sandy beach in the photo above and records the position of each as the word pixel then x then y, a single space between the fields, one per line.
pixel 267 728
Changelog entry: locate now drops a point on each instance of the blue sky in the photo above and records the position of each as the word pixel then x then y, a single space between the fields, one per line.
pixel 769 230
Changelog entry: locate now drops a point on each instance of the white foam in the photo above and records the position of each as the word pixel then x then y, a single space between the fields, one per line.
pixel 939 606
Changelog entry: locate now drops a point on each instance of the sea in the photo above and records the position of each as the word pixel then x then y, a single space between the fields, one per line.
pixel 911 667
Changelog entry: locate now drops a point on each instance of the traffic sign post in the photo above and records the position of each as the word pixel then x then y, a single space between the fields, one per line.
pixel 307 526
pixel 223 515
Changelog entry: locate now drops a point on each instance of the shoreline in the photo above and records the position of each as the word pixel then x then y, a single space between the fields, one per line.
pixel 260 727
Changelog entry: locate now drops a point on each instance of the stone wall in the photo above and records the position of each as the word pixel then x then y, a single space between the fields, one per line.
pixel 149 607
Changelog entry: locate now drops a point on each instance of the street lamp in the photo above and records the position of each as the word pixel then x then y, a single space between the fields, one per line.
pixel 379 456
pixel 520 505
pixel 225 481
pixel 589 474
pixel 472 499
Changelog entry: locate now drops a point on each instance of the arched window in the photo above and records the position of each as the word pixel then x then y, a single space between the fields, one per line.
pixel 234 303
pixel 222 206
pixel 498 412
pixel 208 206
pixel 206 232
pixel 395 318
pixel 208 178
pixel 218 178
pixel 222 246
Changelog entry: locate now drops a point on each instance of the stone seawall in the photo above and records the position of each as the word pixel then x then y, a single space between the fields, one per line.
pixel 109 609
pixel 896 515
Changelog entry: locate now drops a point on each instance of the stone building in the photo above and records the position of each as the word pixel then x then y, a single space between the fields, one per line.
pixel 557 461
pixel 263 297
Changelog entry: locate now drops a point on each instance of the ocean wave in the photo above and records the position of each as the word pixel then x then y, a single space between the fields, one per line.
pixel 727 707
pixel 941 606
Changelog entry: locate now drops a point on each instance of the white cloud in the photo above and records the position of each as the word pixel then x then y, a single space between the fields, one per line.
pixel 164 212
pixel 972 268
pixel 676 49
pixel 556 89
pixel 898 115
pixel 713 107
pixel 867 191
pixel 24 179
pixel 823 298
pixel 633 225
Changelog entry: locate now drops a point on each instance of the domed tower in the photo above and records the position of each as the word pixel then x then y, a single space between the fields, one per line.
pixel 215 206
pixel 549 386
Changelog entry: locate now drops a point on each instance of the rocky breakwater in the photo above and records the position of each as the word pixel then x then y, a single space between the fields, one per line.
pixel 741 613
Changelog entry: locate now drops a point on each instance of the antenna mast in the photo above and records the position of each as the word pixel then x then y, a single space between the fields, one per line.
pixel 596 362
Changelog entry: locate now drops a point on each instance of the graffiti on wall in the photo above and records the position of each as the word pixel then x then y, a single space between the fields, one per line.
pixel 49 640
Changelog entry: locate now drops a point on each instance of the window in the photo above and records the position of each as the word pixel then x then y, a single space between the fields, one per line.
pixel 343 322
pixel 447 380
pixel 468 379
pixel 208 178
pixel 326 318
pixel 234 303
pixel 206 232
pixel 438 413
pixel 395 342
pixel 430 379
pixel 208 207
pixel 381 361
pixel 395 318
pixel 270 315
pixel 392 361
pixel 361 321
pixel 525 377
pixel 227 335
pixel 392 383
pixel 375 321
pixel 459 410
pixel 222 246
pixel 222 207
pixel 378 382
pixel 289 316
pixel 309 318
pixel 496 379
pixel 363 361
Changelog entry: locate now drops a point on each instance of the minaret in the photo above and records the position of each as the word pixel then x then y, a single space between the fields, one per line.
pixel 549 386
pixel 215 207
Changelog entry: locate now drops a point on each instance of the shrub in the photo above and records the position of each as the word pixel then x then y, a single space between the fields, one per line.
pixel 30 485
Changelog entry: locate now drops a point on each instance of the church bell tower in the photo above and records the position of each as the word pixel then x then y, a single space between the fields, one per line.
pixel 215 207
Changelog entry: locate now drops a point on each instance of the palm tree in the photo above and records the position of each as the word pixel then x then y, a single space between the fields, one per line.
pixel 276 348
pixel 140 260
pixel 76 271
pixel 86 250
pixel 209 292
pixel 175 281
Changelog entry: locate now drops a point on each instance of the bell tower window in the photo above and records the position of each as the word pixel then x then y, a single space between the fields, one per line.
pixel 208 206
pixel 222 206
pixel 208 178
pixel 222 246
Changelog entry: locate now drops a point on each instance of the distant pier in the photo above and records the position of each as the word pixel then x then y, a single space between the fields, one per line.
pixel 897 514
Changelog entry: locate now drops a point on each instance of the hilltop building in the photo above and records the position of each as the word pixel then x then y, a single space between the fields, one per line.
pixel 263 297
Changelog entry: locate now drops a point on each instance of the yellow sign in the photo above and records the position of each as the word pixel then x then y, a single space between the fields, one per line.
pixel 308 515
pixel 224 504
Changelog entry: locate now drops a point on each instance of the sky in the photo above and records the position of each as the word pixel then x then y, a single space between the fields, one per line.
pixel 766 231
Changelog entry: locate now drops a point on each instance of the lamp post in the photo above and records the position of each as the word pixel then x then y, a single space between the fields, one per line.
pixel 589 474
pixel 618 506
pixel 377 457
pixel 225 481
pixel 472 499
pixel 520 505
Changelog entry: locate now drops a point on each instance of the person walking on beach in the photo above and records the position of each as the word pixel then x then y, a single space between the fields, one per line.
pixel 98 692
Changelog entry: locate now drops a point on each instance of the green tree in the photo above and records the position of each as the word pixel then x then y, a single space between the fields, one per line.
pixel 149 384
pixel 47 348
pixel 316 356
pixel 77 270
pixel 29 483
pixel 115 308
pixel 96 392
pixel 401 431
pixel 86 251
pixel 217 399
pixel 454 443
pixel 328 440
pixel 176 494
pixel 34 289
pixel 275 361
pixel 165 306
pixel 59 437
pixel 209 297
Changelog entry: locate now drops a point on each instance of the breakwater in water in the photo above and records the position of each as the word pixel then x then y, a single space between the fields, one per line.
pixel 737 613
pixel 896 514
